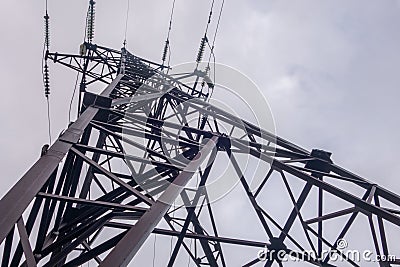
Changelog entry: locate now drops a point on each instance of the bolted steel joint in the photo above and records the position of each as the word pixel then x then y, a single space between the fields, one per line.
pixel 224 143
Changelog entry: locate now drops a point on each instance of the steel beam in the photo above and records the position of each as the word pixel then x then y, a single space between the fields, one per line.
pixel 126 249
pixel 29 185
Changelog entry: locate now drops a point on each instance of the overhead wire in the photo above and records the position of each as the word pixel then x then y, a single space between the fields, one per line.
pixel 126 22
pixel 217 26
pixel 48 119
pixel 154 249
pixel 212 54
pixel 209 16
pixel 73 95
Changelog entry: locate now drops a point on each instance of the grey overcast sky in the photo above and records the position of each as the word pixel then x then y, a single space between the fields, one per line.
pixel 329 69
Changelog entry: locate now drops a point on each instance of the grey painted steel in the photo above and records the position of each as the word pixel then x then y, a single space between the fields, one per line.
pixel 69 224
pixel 34 179
pixel 126 249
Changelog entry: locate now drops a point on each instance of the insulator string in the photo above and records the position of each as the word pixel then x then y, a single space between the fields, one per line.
pixel 45 67
pixel 164 56
pixel 200 53
pixel 167 48
pixel 46 45
pixel 89 36
pixel 47 30
pixel 46 83
pixel 77 75
pixel 207 70
pixel 90 21
pixel 46 80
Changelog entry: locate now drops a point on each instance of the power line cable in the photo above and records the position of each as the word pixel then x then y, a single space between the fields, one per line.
pixel 154 249
pixel 212 46
pixel 48 119
pixel 209 16
pixel 215 33
pixel 126 22
pixel 73 96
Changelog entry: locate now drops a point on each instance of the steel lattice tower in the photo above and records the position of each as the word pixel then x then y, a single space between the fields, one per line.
pixel 77 208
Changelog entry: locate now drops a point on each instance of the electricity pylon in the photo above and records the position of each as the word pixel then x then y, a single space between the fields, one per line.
pixel 113 177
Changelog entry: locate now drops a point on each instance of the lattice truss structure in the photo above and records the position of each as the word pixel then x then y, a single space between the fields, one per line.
pixel 113 180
